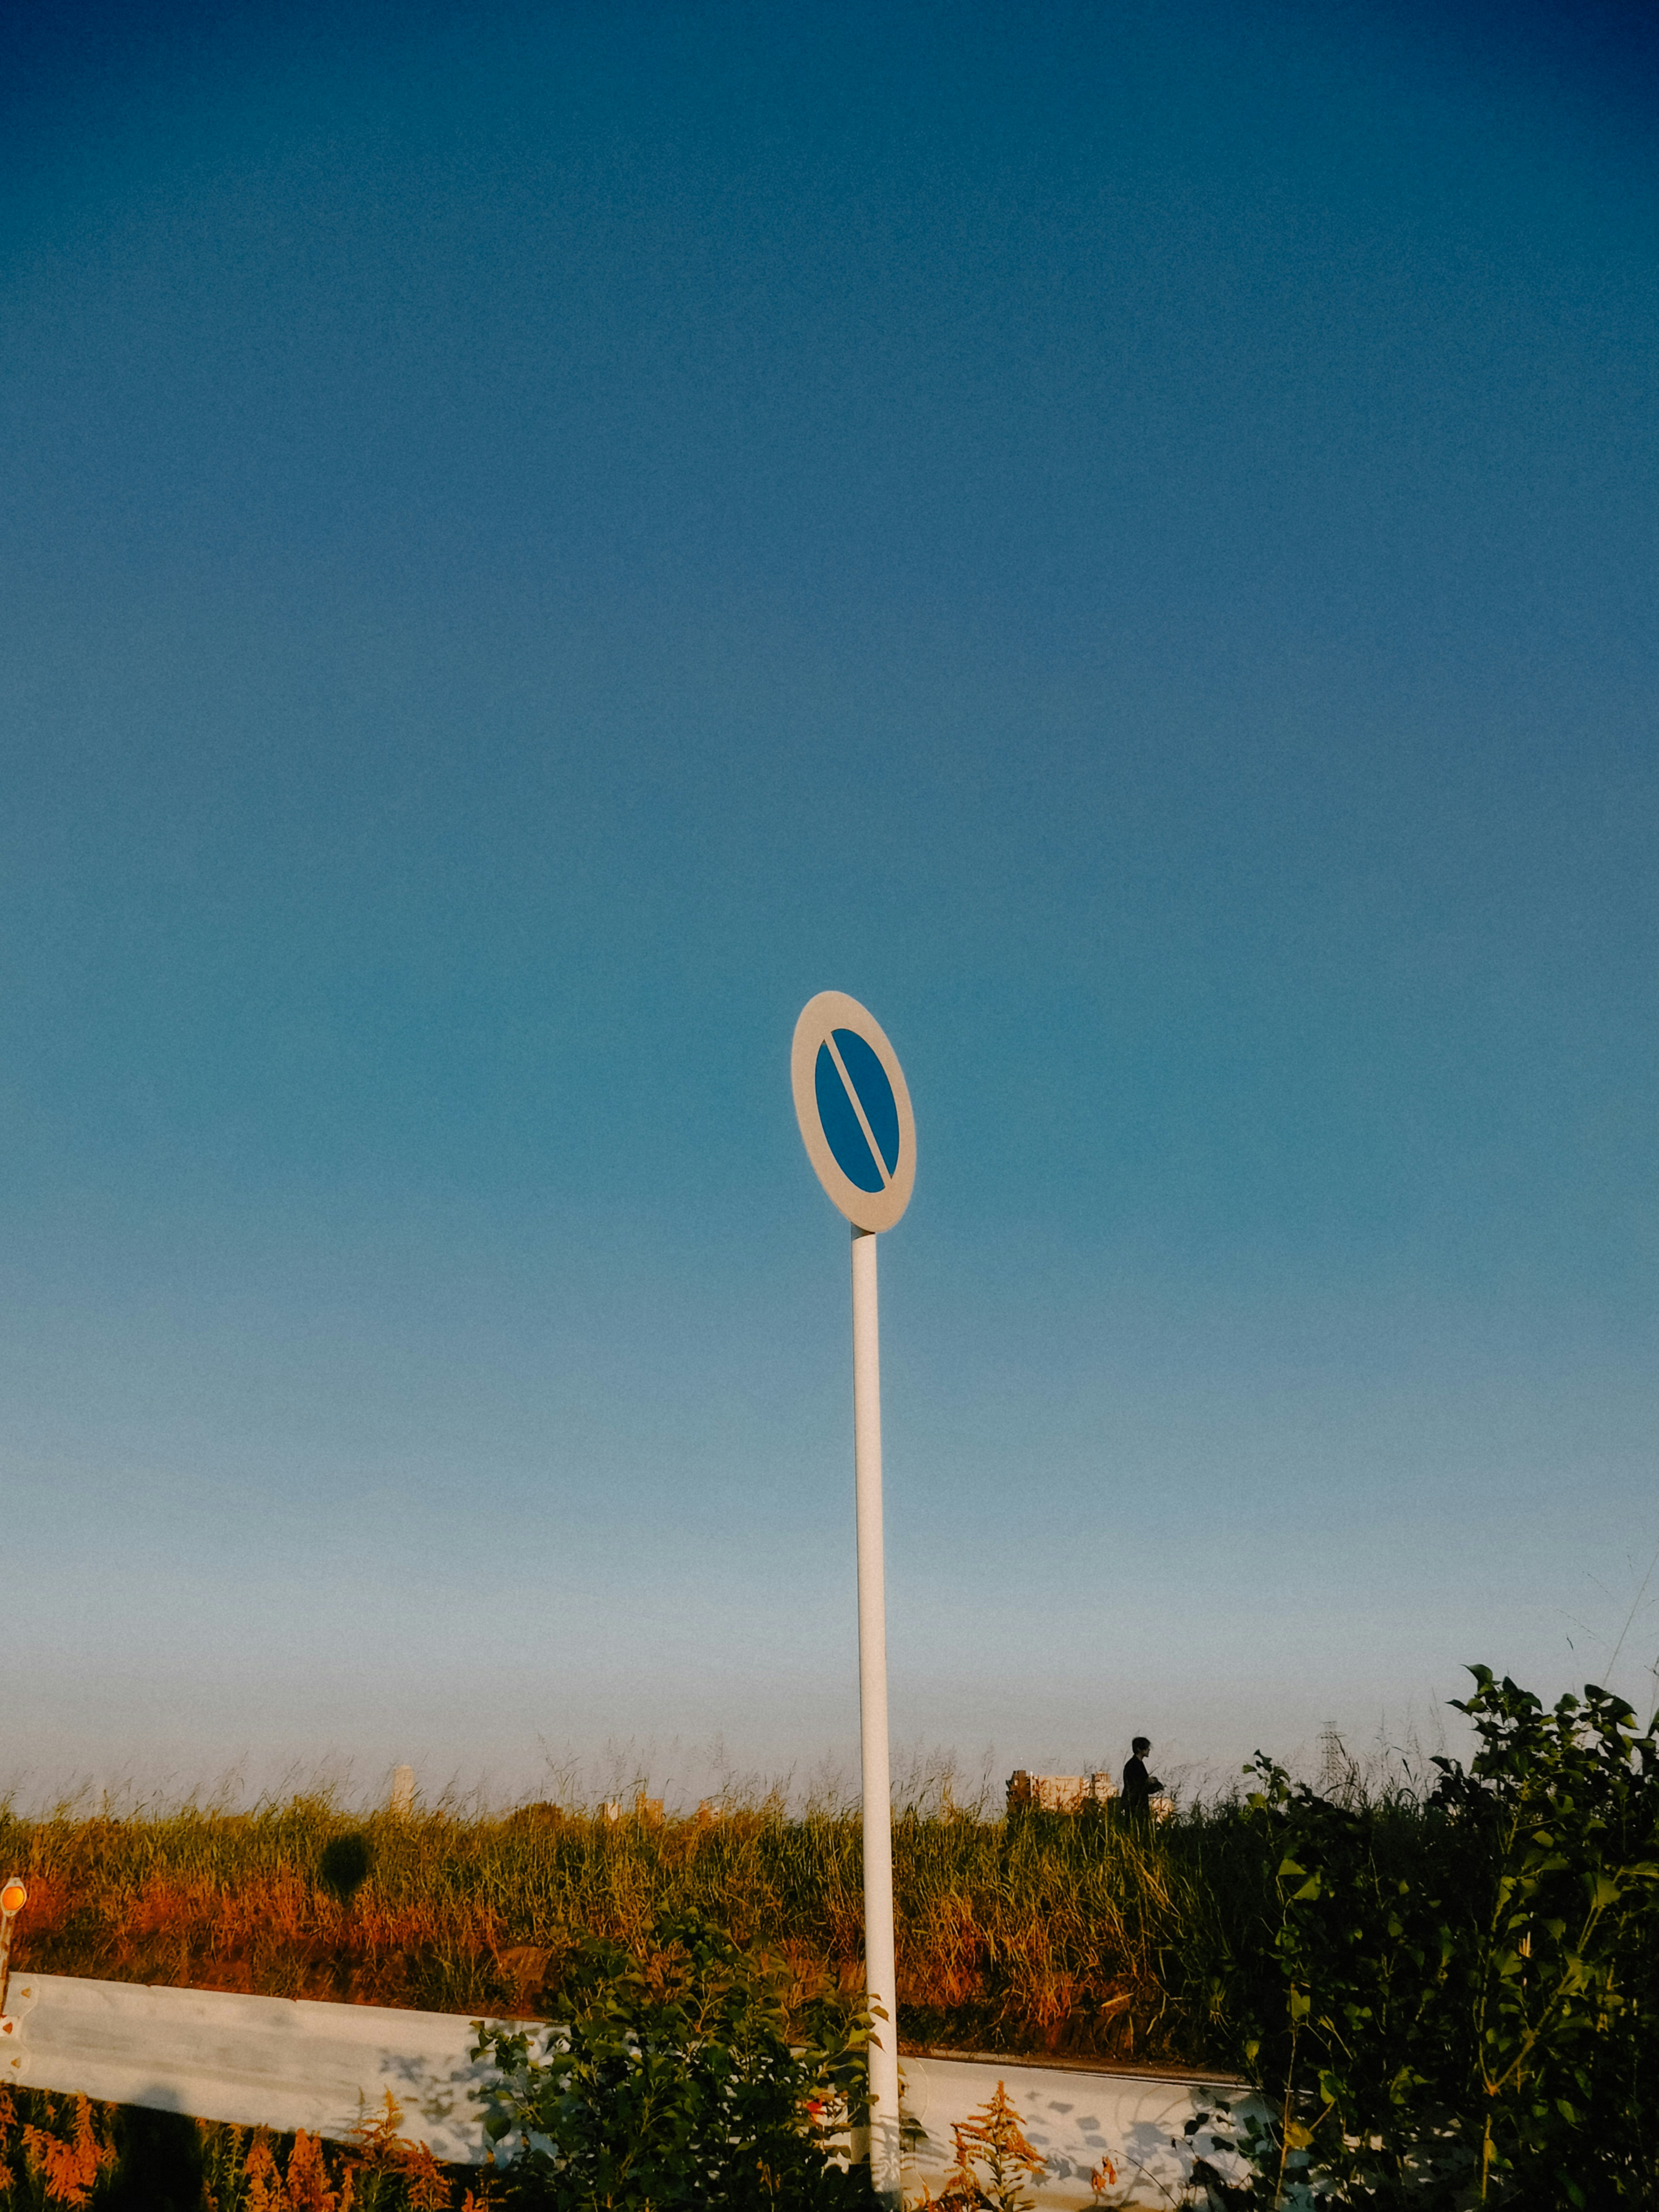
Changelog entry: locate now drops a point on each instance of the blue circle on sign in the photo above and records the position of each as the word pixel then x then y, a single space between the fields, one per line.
pixel 859 1078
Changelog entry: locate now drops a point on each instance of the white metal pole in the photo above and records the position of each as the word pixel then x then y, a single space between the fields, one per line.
pixel 879 1977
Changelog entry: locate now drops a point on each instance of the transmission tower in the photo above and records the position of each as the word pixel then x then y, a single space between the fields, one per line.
pixel 1335 1767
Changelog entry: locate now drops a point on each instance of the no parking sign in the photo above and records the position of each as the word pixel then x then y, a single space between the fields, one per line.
pixel 853 1108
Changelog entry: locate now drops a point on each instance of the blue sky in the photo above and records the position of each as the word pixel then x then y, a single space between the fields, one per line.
pixel 538 538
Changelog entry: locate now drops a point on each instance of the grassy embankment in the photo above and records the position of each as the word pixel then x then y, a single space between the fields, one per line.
pixel 1044 1933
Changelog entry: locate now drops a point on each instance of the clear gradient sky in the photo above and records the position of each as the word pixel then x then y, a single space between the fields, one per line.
pixel 537 538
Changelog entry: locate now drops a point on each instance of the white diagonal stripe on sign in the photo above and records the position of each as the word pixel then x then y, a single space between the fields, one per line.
pixel 857 1108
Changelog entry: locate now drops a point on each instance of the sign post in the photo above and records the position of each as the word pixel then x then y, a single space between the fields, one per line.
pixel 855 1120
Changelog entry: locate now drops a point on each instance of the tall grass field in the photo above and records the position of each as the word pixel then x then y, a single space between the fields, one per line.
pixel 1041 1933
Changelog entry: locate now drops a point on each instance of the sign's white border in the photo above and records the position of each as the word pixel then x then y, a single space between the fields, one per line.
pixel 865 1209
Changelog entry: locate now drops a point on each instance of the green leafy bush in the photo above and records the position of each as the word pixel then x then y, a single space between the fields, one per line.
pixel 674 2084
pixel 1458 2003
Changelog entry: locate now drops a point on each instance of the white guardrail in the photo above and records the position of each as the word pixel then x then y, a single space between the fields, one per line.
pixel 285 2063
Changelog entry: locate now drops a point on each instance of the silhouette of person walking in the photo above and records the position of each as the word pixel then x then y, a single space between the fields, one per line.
pixel 1139 1788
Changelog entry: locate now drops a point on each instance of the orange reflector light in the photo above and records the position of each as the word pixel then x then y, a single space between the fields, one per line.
pixel 13 1898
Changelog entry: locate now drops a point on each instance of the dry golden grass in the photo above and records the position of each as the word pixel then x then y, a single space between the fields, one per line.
pixel 1049 1932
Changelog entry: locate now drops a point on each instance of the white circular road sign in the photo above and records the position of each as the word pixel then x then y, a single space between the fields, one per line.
pixel 853 1109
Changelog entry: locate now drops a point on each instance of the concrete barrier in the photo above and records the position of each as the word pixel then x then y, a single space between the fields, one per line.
pixel 286 2062
pixel 1075 2117
pixel 277 2062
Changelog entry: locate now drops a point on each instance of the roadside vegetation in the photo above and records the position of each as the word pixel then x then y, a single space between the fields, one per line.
pixel 1049 1932
pixel 1443 1991
pixel 69 2152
